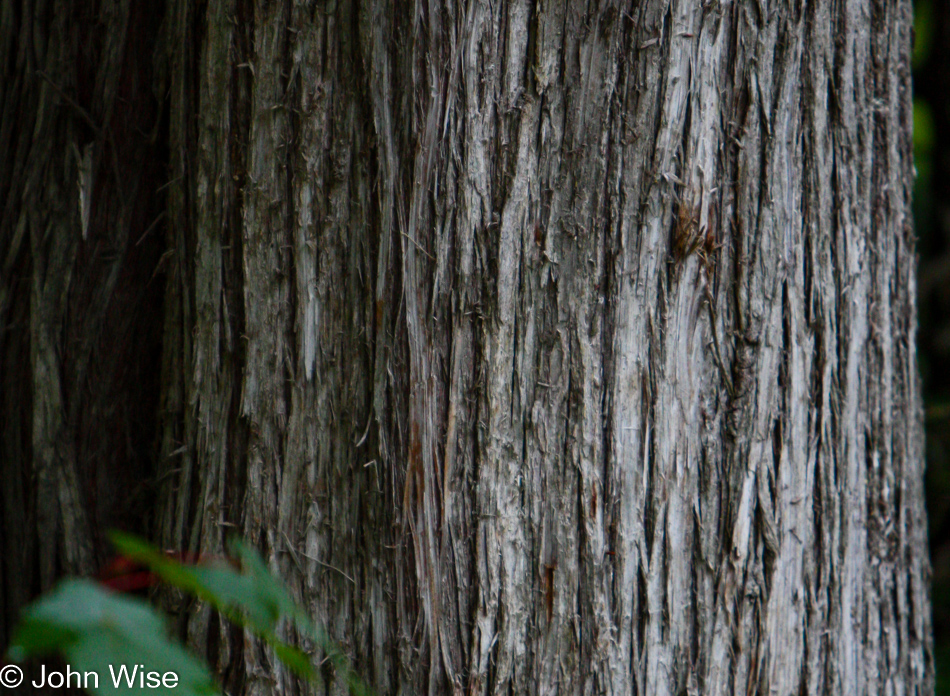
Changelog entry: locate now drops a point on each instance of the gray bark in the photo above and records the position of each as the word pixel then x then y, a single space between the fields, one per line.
pixel 550 349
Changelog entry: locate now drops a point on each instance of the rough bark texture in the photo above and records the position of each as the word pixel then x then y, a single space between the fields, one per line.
pixel 541 347
pixel 77 385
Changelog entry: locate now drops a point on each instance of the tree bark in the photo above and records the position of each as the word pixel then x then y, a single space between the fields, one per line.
pixel 541 348
pixel 81 159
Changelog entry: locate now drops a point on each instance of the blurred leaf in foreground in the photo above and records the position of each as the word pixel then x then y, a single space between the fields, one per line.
pixel 98 631
pixel 250 597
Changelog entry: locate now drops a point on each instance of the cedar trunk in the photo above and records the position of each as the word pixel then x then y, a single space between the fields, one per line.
pixel 541 347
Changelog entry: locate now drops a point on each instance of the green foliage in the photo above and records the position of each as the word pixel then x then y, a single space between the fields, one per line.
pixel 93 628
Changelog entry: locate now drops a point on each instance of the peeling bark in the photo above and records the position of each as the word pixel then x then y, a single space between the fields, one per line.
pixel 548 349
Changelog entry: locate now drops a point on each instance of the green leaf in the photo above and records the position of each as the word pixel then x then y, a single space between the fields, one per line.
pixel 296 659
pixel 252 598
pixel 97 631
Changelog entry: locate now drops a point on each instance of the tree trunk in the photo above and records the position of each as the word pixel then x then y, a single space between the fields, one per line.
pixel 78 393
pixel 541 349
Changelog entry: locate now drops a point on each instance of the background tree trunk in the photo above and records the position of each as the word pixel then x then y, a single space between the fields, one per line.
pixel 541 348
pixel 78 388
